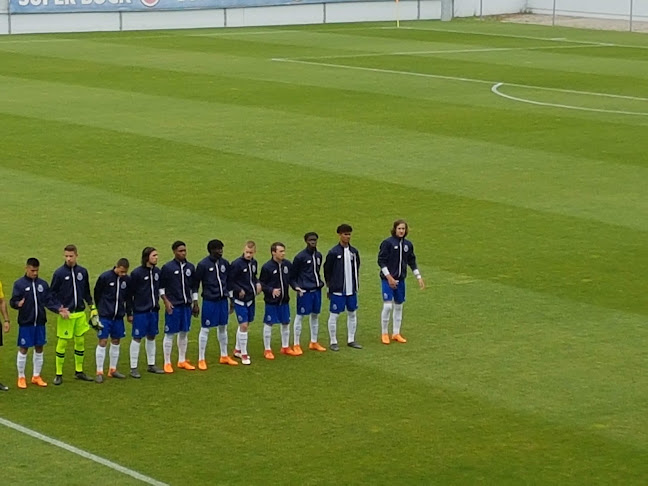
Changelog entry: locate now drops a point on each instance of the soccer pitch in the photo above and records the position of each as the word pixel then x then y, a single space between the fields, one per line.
pixel 517 154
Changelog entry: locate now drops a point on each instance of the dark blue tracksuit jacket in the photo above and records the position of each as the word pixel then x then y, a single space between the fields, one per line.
pixel 243 276
pixel 71 286
pixel 111 293
pixel 176 280
pixel 275 275
pixel 305 270
pixel 145 290
pixel 38 296
pixel 212 274
pixel 396 254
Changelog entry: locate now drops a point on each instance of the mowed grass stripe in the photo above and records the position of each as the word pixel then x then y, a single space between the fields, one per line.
pixel 196 123
pixel 555 254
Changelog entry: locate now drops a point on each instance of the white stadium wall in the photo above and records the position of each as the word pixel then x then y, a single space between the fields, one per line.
pixel 603 9
pixel 474 8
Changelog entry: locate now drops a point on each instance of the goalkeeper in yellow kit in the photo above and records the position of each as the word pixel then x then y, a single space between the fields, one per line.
pixel 71 286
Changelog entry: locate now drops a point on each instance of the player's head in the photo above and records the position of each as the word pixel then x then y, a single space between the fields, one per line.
pixel 179 250
pixel 278 251
pixel 121 267
pixel 70 253
pixel 215 248
pixel 311 240
pixel 400 228
pixel 344 231
pixel 149 257
pixel 31 268
pixel 249 250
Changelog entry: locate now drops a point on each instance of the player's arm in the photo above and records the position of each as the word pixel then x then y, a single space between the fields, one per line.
pixel 383 262
pixel 194 285
pixel 17 296
pixel 264 280
pixel 164 281
pixel 5 315
pixel 411 261
pixel 87 295
pixel 53 304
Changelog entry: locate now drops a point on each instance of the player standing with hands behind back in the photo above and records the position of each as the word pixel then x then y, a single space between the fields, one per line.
pixel 395 254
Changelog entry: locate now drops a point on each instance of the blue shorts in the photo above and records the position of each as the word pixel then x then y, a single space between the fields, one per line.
pixel 277 314
pixel 215 313
pixel 30 336
pixel 309 303
pixel 145 324
pixel 179 320
pixel 244 313
pixel 113 328
pixel 397 294
pixel 341 302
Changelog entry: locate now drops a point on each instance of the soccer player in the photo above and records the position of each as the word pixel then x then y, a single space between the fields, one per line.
pixel 244 287
pixel 395 254
pixel 110 294
pixel 180 303
pixel 341 269
pixel 274 279
pixel 71 286
pixel 31 295
pixel 143 309
pixel 212 273
pixel 6 324
pixel 305 279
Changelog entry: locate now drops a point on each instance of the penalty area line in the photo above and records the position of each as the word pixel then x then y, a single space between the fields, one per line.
pixel 80 452
pixel 496 90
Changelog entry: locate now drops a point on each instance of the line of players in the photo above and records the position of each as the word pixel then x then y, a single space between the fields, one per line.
pixel 226 288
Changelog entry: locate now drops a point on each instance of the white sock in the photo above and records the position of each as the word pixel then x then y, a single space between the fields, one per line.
pixel 202 342
pixel 167 346
pixel 352 323
pixel 134 353
pixel 38 363
pixel 20 363
pixel 100 356
pixel 398 317
pixel 314 327
pixel 385 315
pixel 332 327
pixel 114 356
pixel 267 336
pixel 182 346
pixel 238 342
pixel 221 333
pixel 285 335
pixel 297 329
pixel 150 351
pixel 243 340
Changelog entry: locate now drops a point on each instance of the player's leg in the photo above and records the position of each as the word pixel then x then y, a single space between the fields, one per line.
pixel 352 320
pixel 25 341
pixel 244 316
pixel 315 309
pixel 222 318
pixel 100 352
pixel 39 342
pixel 385 315
pixel 300 312
pixel 336 306
pixel 183 338
pixel 399 300
pixel 151 331
pixel 64 332
pixel 283 315
pixel 171 328
pixel 117 332
pixel 80 327
pixel 206 323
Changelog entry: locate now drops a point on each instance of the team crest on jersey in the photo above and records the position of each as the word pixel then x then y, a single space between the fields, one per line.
pixel 157 277
pixel 123 285
pixel 39 288
pixel 240 318
pixel 268 318
pixel 79 276
pixel 207 322
pixel 22 341
pixel 222 268
pixel 302 310
pixel 254 268
pixel 406 248
pixel 285 269
pixel 319 260
pixel 188 272
pixel 334 306
pixel 136 332
pixel 385 296
pixel 166 328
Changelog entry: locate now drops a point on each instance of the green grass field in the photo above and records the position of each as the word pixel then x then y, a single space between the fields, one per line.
pixel 526 361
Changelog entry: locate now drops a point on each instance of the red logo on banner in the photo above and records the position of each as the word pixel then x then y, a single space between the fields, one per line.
pixel 149 3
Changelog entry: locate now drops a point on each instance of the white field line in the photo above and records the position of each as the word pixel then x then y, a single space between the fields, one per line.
pixel 495 89
pixel 457 78
pixel 512 36
pixel 446 51
pixel 82 453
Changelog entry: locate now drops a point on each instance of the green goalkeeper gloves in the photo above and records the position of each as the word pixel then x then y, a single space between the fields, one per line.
pixel 94 319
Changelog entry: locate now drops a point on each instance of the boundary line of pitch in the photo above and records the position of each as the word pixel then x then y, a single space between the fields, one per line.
pixel 80 452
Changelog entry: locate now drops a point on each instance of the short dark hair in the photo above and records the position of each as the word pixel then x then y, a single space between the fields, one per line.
pixel 344 228
pixel 177 244
pixel 309 234
pixel 398 222
pixel 250 244
pixel 123 262
pixel 214 245
pixel 33 262
pixel 71 248
pixel 146 253
pixel 275 245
